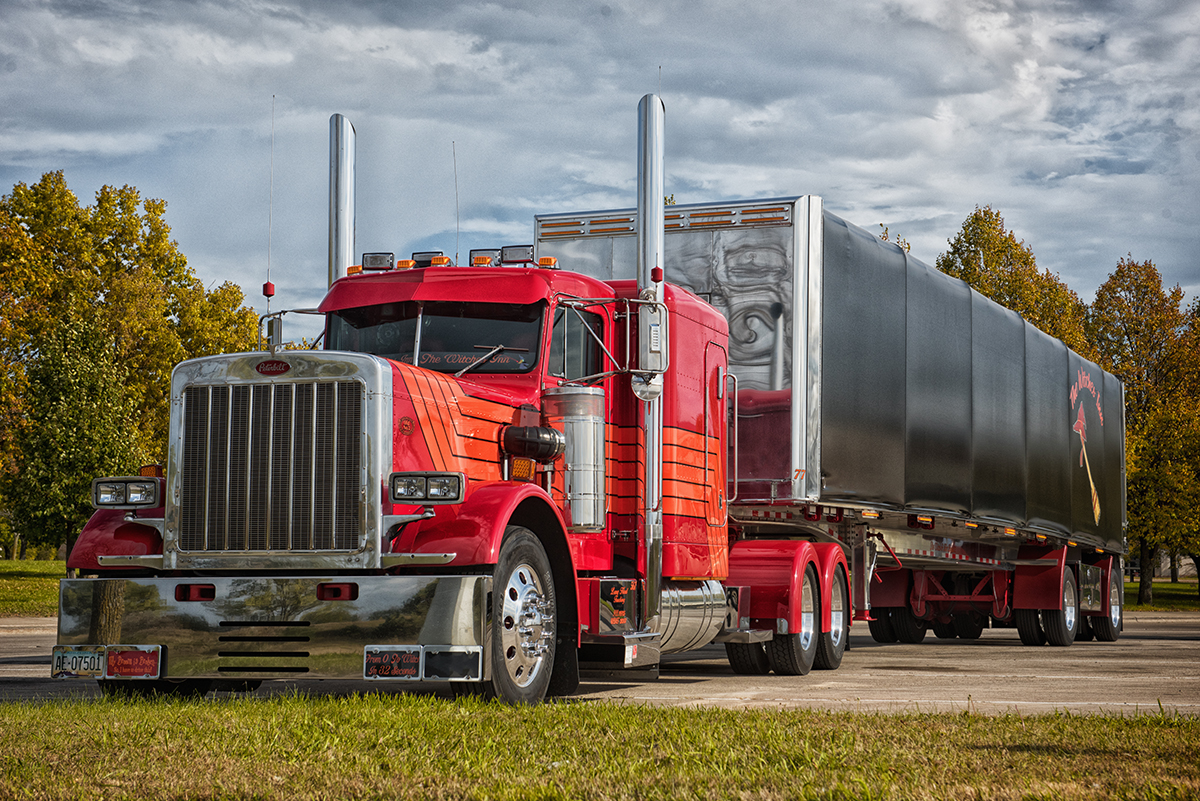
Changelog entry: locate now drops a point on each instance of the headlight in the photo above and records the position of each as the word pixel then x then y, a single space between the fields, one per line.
pixel 427 488
pixel 125 492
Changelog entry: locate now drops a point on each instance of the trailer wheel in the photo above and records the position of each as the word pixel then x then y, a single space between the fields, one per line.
pixel 1108 629
pixel 794 654
pixel 831 645
pixel 1061 624
pixel 1029 626
pixel 908 628
pixel 747 658
pixel 944 631
pixel 523 619
pixel 881 625
pixel 968 625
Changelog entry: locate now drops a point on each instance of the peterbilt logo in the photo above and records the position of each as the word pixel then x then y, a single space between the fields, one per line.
pixel 272 367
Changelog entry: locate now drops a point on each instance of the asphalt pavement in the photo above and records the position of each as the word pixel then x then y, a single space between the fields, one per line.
pixel 1154 667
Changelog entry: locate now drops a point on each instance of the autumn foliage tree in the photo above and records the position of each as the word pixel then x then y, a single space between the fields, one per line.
pixel 996 264
pixel 101 297
pixel 1147 338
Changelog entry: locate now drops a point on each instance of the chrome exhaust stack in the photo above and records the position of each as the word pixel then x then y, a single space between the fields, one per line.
pixel 341 197
pixel 652 345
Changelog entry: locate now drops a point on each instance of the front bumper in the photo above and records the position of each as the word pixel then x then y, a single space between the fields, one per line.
pixel 432 628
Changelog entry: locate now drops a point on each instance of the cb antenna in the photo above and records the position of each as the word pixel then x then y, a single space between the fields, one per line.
pixel 268 287
pixel 454 156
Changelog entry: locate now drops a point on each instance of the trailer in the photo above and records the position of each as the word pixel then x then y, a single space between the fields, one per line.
pixel 571 456
pixel 971 466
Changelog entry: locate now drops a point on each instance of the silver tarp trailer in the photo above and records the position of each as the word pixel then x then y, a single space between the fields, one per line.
pixel 918 394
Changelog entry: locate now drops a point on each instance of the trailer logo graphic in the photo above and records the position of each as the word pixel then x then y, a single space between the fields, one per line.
pixel 1084 382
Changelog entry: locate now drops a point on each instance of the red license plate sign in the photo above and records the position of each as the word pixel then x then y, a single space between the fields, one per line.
pixel 133 661
pixel 392 662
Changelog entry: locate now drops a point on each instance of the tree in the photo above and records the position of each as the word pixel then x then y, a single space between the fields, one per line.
pixel 990 258
pixel 1145 337
pixel 76 428
pixel 112 270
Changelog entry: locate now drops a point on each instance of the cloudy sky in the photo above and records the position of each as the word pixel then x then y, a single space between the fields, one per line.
pixel 1079 121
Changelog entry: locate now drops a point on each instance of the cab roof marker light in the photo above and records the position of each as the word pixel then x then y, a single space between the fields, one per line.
pixel 405 264
pixel 549 262
pixel 354 269
pixel 439 261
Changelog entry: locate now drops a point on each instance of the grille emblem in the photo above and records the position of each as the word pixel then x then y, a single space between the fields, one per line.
pixel 273 367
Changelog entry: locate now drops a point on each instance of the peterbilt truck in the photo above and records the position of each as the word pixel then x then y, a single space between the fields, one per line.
pixel 653 430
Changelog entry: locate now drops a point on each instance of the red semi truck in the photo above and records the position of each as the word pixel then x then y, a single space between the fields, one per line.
pixel 555 459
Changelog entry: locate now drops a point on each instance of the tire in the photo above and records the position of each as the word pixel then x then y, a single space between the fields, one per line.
pixel 1061 625
pixel 944 631
pixel 747 658
pixel 794 654
pixel 1108 629
pixel 881 625
pixel 908 628
pixel 968 625
pixel 831 645
pixel 1085 633
pixel 1029 626
pixel 524 614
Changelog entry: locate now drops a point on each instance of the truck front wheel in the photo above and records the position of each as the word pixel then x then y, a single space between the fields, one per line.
pixel 524 611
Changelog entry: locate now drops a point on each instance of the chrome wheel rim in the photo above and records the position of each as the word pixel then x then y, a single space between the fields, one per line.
pixel 1069 605
pixel 526 626
pixel 1114 603
pixel 837 612
pixel 808 618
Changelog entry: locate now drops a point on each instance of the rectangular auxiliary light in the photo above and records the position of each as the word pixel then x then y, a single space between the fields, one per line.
pixel 125 492
pixel 517 254
pixel 378 261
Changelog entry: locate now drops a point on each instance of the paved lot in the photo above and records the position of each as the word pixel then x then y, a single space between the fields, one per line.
pixel 1157 661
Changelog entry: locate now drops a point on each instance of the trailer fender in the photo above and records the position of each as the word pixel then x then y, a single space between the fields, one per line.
pixel 829 556
pixel 1039 585
pixel 108 533
pixel 774 572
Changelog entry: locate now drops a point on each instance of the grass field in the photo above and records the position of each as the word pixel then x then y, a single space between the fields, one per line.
pixel 299 748
pixel 29 588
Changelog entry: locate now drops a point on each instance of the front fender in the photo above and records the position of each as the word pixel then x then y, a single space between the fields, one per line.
pixel 108 533
pixel 474 529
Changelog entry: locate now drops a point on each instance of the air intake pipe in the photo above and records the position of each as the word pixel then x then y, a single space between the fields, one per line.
pixel 341 197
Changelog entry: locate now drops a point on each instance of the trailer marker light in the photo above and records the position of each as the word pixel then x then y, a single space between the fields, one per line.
pixel 971 524
pixel 925 519
pixel 1012 532
pixel 870 514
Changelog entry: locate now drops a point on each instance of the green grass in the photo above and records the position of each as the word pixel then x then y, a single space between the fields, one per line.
pixel 1167 597
pixel 29 588
pixel 300 747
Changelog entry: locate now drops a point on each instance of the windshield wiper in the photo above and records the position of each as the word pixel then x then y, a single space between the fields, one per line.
pixel 487 356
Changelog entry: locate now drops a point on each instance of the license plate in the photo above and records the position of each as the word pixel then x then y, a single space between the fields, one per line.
pixel 402 662
pixel 81 661
pixel 133 661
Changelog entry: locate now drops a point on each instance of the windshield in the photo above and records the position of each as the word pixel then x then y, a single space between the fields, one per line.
pixel 454 336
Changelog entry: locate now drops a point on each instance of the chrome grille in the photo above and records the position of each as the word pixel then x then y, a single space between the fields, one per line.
pixel 272 466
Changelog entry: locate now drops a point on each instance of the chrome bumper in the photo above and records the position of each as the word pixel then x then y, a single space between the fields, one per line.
pixel 288 627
